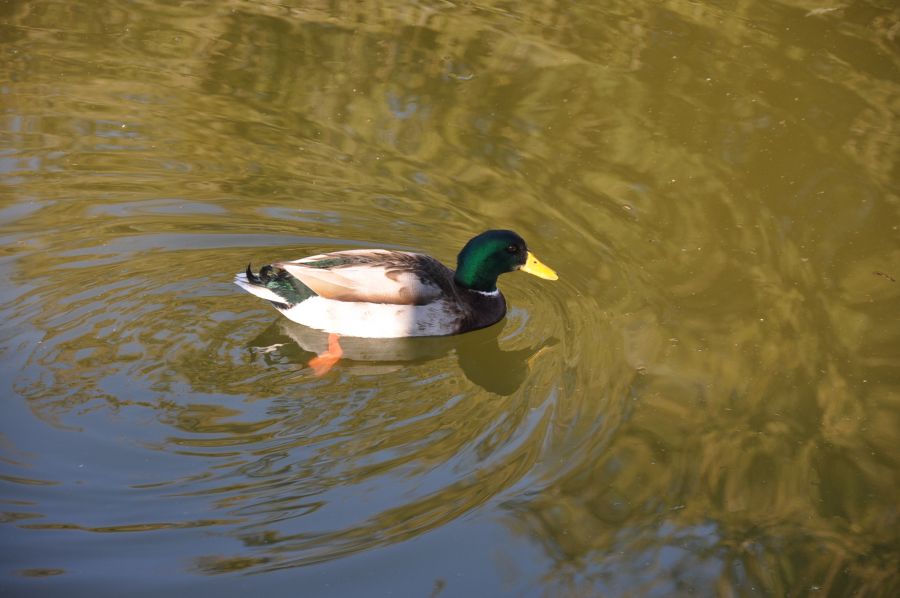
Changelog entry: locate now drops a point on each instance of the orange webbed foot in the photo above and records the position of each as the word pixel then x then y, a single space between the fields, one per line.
pixel 323 363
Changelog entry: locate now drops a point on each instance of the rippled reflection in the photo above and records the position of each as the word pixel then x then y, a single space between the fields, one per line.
pixel 704 403
pixel 479 355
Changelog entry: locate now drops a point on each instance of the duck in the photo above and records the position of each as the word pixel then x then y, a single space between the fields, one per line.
pixel 383 293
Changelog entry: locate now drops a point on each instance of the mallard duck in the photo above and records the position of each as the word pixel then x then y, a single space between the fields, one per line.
pixel 379 293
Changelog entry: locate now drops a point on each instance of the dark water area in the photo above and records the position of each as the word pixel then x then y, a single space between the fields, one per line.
pixel 707 402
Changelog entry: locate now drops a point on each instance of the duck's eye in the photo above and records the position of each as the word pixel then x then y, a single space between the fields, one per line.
pixel 512 249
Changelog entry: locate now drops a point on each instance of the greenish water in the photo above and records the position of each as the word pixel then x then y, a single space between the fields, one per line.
pixel 707 402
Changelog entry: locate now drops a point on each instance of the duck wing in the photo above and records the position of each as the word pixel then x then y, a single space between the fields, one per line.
pixel 374 276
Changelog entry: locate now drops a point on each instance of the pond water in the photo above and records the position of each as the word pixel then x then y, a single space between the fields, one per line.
pixel 706 402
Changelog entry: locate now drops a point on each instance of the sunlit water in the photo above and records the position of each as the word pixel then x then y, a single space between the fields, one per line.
pixel 706 401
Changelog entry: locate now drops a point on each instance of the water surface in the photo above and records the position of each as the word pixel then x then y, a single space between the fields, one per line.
pixel 706 402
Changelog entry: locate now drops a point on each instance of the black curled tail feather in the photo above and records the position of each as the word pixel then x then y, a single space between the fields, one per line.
pixel 251 277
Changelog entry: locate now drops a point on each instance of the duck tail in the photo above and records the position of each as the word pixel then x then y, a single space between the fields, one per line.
pixel 275 285
pixel 250 276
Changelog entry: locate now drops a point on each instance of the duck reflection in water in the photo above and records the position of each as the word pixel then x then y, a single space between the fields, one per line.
pixel 478 353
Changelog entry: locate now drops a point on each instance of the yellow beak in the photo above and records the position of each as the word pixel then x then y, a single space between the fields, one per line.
pixel 534 266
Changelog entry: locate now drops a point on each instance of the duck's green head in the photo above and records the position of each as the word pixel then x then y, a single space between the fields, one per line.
pixel 493 253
